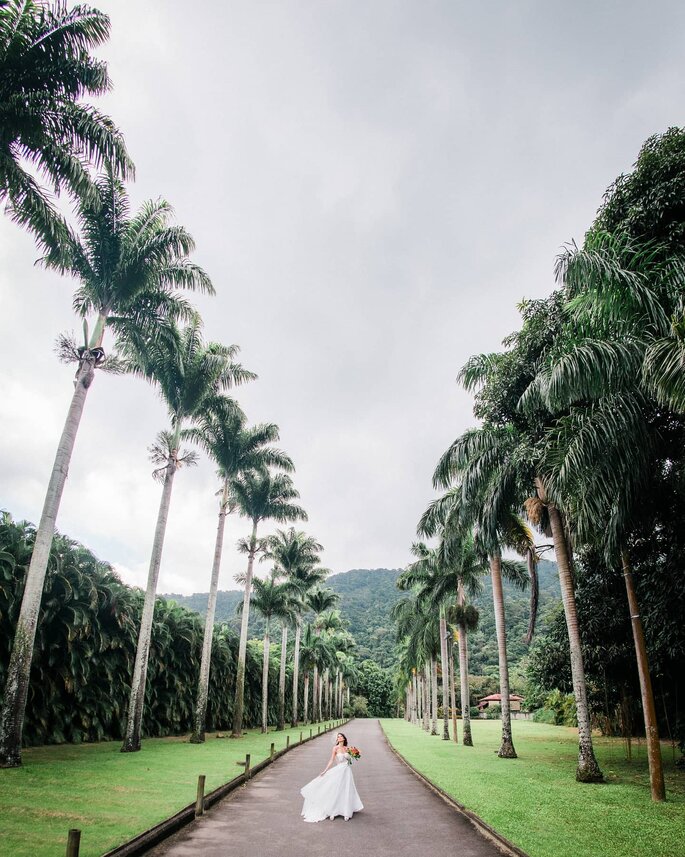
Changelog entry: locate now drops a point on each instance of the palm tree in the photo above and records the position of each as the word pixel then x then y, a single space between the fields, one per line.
pixel 272 600
pixel 221 431
pixel 454 567
pixel 126 267
pixel 296 554
pixel 259 496
pixel 45 70
pixel 487 493
pixel 620 354
pixel 424 573
pixel 308 655
pixel 417 628
pixel 319 600
pixel 189 374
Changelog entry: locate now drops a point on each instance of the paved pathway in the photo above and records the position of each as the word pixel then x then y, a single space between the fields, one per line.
pixel 262 819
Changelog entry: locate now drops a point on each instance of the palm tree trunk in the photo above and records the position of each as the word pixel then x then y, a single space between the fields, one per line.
pixel 415 716
pixel 434 696
pixel 137 698
pixel 425 686
pixel 464 676
pixel 198 735
pixel 453 695
pixel 506 750
pixel 242 649
pixel 281 678
pixel 656 771
pixel 445 676
pixel 306 697
pixel 319 709
pixel 315 694
pixel 19 668
pixel 265 679
pixel 588 771
pixel 296 672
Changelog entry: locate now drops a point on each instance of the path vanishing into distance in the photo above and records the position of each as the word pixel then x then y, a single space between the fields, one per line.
pixel 262 819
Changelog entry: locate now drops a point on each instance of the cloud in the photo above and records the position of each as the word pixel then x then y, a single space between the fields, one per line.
pixel 372 188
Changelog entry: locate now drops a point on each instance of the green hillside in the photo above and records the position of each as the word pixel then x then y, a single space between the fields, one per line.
pixel 368 595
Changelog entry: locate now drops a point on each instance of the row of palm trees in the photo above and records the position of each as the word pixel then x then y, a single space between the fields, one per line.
pixel 583 410
pixel 132 270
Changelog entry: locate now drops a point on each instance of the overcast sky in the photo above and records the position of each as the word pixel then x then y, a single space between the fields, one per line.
pixel 372 186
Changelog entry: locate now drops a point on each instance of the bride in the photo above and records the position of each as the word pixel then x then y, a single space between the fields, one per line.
pixel 333 792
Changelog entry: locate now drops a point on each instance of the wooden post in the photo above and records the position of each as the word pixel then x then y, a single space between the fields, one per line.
pixel 247 766
pixel 287 742
pixel 318 730
pixel 300 737
pixel 310 733
pixel 200 801
pixel 272 749
pixel 73 843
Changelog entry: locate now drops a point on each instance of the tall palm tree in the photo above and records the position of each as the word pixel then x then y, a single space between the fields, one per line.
pixel 423 574
pixel 620 354
pixel 486 498
pixel 329 623
pixel 452 569
pixel 221 430
pixel 272 600
pixel 127 267
pixel 45 70
pixel 297 555
pixel 320 599
pixel 259 496
pixel 189 373
pixel 417 627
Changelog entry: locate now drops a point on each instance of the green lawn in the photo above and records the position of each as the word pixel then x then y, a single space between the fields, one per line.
pixel 535 802
pixel 112 796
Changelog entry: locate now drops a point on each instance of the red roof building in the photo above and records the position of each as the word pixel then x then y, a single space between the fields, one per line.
pixel 496 699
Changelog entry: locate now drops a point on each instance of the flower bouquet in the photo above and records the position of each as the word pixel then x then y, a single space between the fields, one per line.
pixel 353 753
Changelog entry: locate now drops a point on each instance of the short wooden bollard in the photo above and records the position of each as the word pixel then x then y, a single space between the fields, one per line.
pixel 247 766
pixel 310 733
pixel 300 737
pixel 73 843
pixel 287 742
pixel 273 750
pixel 200 800
pixel 318 730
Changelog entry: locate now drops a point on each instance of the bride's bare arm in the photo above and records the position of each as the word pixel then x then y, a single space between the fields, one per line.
pixel 330 762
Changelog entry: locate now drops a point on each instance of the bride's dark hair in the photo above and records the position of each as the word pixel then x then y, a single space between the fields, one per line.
pixel 344 739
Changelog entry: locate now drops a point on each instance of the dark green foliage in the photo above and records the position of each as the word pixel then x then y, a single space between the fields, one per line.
pixel 85 648
pixel 649 202
pixel 608 649
pixel 376 685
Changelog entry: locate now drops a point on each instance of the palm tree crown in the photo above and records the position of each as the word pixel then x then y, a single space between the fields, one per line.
pixel 45 70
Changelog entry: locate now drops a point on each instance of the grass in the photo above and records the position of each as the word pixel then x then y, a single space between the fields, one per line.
pixel 112 796
pixel 535 802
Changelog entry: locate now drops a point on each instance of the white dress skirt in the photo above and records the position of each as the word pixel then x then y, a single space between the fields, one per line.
pixel 333 794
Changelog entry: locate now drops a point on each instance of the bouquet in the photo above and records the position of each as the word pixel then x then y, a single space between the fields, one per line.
pixel 353 753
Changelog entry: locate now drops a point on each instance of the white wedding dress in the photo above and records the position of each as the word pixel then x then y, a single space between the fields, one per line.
pixel 332 794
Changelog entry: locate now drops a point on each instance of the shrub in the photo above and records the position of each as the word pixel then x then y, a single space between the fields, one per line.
pixel 545 715
pixel 564 707
pixel 493 712
pixel 360 706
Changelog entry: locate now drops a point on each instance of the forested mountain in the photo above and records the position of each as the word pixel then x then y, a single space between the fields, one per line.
pixel 366 600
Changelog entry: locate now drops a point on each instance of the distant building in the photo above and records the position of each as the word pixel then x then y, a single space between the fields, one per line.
pixel 496 699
